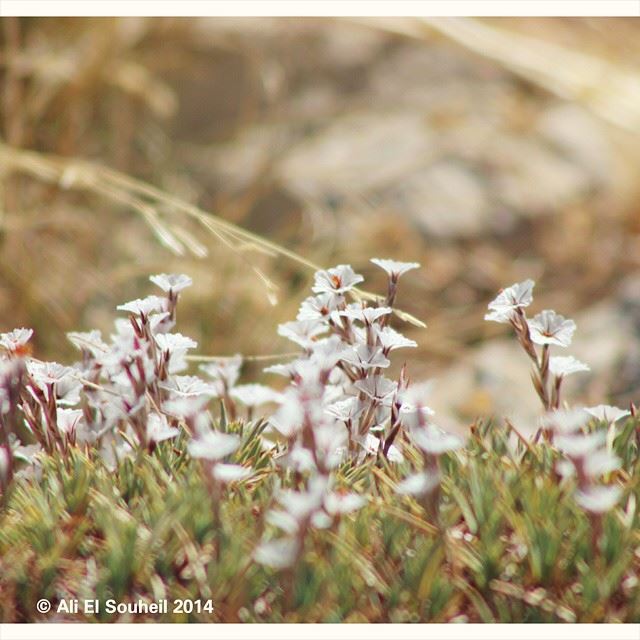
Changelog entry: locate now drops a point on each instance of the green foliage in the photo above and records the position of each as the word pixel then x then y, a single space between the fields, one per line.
pixel 509 543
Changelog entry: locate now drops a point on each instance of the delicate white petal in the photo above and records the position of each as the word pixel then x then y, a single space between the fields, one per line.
pixel 338 503
pixel 171 281
pixel 254 395
pixel 549 327
pixel 278 554
pixel 607 413
pixel 158 428
pixel 516 296
pixel 599 499
pixel 566 365
pixel 340 279
pixel 213 445
pixel 395 268
pixel 16 339
pixel 230 472
pixel 150 304
pixel 418 484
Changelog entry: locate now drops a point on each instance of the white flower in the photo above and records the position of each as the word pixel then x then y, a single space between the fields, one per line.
pixel 390 339
pixel 599 499
pixel 345 410
pixel 578 445
pixel 394 268
pixel 564 420
pixel 301 504
pixel 253 395
pixel 189 386
pixel 45 373
pixel 600 462
pixel 171 281
pixel 16 339
pixel 213 445
pixel 319 307
pixel 90 341
pixel 367 315
pixel 434 440
pixel 338 503
pixel 607 413
pixel 302 332
pixel 230 472
pixel 340 279
pixel 67 420
pixel 326 353
pixel 365 357
pixel 549 327
pixel 561 366
pixel 418 484
pixel 288 419
pixel 225 371
pixel 518 295
pixel 288 369
pixel 146 306
pixel 174 342
pixel 158 428
pixel 185 406
pixel 277 554
pixel 372 445
pixel 377 387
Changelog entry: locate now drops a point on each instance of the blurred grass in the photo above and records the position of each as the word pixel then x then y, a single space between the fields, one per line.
pixel 510 544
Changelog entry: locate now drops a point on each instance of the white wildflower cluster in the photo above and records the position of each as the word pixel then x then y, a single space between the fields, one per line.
pixel 537 335
pixel 340 404
pixel 125 392
pixel 587 453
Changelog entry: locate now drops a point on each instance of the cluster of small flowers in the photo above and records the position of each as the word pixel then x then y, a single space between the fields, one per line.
pixel 567 429
pixel 124 393
pixel 339 406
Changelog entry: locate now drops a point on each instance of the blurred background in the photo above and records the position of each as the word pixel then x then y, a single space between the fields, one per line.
pixel 487 150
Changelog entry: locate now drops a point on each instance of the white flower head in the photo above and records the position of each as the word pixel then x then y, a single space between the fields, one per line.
pixel 226 473
pixel 564 420
pixel 340 503
pixel 189 387
pixel 254 395
pixel 607 413
pixel 517 296
pixel 90 341
pixel 213 445
pixel 185 406
pixel 319 307
pixel 171 281
pixel 345 410
pixel 434 440
pixel 277 554
pixel 302 332
pixel 340 279
pixel 224 371
pixel 549 327
pixel 15 340
pixel 367 315
pixel 174 342
pixel 561 366
pixel 366 357
pixel 599 499
pixel 376 387
pixel 390 340
pixel 48 372
pixel 418 484
pixel 394 268
pixel 146 306
pixel 579 445
pixel 158 428
pixel 67 420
